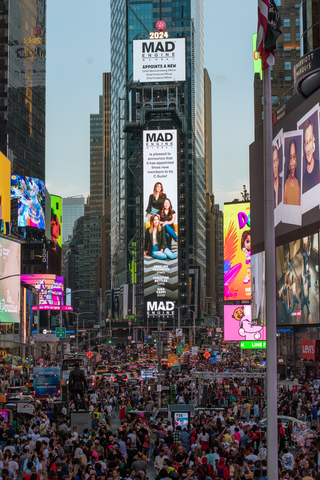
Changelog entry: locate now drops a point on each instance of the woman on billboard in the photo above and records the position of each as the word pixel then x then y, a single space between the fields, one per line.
pixel 292 187
pixel 167 220
pixel 155 200
pixel 155 244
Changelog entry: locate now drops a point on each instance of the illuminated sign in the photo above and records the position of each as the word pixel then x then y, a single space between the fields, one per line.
pixel 50 288
pixel 154 35
pixel 159 59
pixel 298 281
pixel 238 324
pixel 10 264
pixel 5 197
pixel 257 63
pixel 160 185
pixel 253 345
pixel 237 251
pixel 56 220
pixel 30 193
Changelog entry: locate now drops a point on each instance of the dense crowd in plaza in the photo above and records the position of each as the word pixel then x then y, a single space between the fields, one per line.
pixel 125 442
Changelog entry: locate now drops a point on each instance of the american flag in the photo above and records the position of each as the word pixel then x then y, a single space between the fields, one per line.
pixel 269 23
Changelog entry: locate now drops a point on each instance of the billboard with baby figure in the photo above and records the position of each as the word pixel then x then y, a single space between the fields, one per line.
pixel 238 324
pixel 237 251
pixel 160 186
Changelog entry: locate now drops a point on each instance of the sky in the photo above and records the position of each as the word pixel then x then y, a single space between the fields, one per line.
pixel 78 52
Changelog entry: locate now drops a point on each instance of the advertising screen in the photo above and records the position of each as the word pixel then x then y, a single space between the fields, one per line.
pixel 258 288
pixel 50 288
pixel 296 172
pixel 237 251
pixel 238 324
pixel 5 200
pixel 30 193
pixel 10 264
pixel 160 184
pixel 298 281
pixel 56 220
pixel 160 60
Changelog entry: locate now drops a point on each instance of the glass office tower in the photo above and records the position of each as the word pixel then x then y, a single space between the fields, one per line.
pixel 23 85
pixel 131 19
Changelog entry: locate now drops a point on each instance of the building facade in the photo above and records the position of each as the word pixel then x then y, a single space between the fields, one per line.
pixel 286 56
pixel 23 85
pixel 131 20
pixel 72 209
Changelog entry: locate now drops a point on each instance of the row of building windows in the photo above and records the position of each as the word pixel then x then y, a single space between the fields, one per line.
pixel 286 22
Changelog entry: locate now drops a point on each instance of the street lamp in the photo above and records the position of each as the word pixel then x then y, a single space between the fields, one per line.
pixel 78 315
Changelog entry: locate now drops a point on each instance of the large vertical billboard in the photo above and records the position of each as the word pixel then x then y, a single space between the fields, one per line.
pixel 297 275
pixel 160 186
pixel 258 288
pixel 159 60
pixel 5 184
pixel 31 196
pixel 56 220
pixel 237 251
pixel 10 264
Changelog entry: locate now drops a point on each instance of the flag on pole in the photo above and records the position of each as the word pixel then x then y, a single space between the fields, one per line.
pixel 269 23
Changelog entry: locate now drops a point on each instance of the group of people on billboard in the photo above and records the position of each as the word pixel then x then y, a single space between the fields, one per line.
pixel 296 172
pixel 297 281
pixel 161 227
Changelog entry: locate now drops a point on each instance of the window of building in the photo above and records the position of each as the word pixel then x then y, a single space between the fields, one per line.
pixel 297 37
pixel 287 65
pixel 286 22
pixel 288 78
pixel 278 3
pixel 287 37
pixel 297 22
pixel 297 5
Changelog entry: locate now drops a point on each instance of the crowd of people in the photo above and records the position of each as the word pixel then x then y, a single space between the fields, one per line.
pixel 225 438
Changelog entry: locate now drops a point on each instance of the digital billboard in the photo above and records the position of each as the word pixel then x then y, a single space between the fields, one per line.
pixel 237 251
pixel 258 288
pixel 56 220
pixel 30 193
pixel 296 172
pixel 5 183
pixel 160 186
pixel 297 275
pixel 159 60
pixel 50 288
pixel 10 264
pixel 238 324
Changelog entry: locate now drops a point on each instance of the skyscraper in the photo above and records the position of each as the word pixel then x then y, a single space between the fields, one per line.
pixel 23 85
pixel 131 20
pixel 72 209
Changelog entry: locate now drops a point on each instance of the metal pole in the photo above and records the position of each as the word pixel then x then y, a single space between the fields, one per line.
pixel 77 341
pixel 38 312
pixel 270 259
pixel 194 327
pixel 159 360
pixel 61 339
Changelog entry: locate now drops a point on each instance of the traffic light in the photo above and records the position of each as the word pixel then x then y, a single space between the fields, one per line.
pixel 109 339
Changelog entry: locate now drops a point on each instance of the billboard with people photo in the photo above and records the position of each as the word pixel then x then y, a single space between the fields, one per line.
pixel 298 281
pixel 160 177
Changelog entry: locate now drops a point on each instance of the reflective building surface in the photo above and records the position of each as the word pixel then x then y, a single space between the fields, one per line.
pixel 23 85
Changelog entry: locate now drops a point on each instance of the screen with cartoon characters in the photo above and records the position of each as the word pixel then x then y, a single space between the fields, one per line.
pixel 238 324
pixel 31 196
pixel 160 186
pixel 50 288
pixel 297 269
pixel 237 251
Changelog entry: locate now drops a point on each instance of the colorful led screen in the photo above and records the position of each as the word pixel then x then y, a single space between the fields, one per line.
pixel 30 193
pixel 10 281
pixel 56 220
pixel 237 251
pixel 238 324
pixel 160 177
pixel 298 281
pixel 50 288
